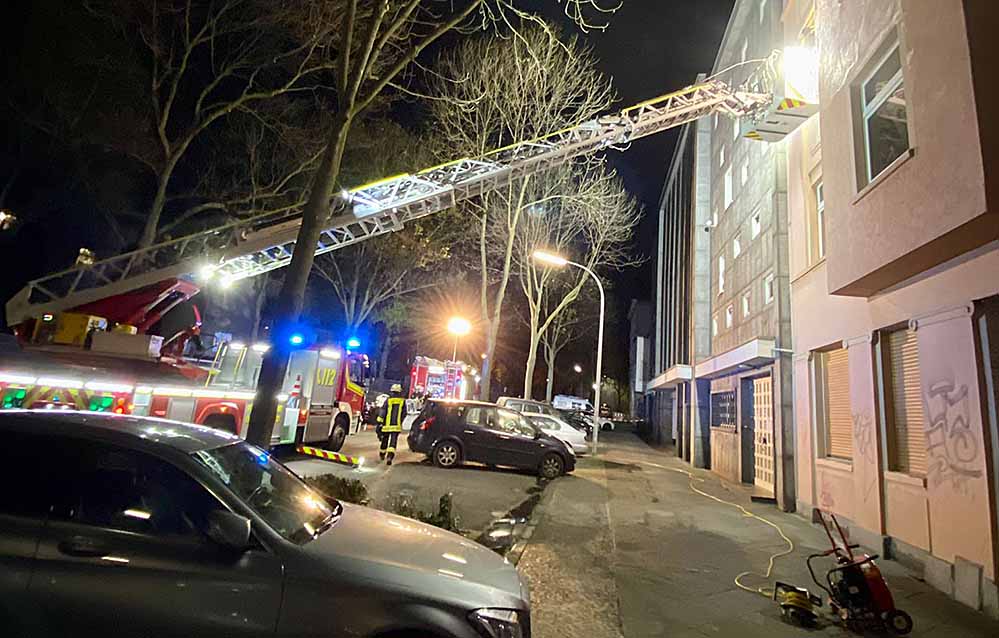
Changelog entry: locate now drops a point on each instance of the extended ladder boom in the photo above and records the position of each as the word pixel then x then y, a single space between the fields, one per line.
pixel 260 244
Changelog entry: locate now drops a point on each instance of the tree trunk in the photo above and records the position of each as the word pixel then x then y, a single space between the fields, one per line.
pixel 258 308
pixel 152 225
pixel 532 361
pixel 384 355
pixel 292 296
pixel 487 364
pixel 550 355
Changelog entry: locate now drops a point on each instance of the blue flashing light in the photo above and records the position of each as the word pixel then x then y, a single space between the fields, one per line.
pixel 296 339
pixel 263 458
pixel 353 342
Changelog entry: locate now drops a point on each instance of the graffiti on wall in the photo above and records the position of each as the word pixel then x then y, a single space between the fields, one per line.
pixel 952 449
pixel 863 436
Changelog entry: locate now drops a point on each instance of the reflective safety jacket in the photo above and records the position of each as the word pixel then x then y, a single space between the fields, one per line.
pixel 395 412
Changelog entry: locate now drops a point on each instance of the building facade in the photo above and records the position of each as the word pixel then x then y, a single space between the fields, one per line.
pixel 893 195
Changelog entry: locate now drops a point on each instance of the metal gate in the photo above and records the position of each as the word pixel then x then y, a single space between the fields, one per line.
pixel 763 453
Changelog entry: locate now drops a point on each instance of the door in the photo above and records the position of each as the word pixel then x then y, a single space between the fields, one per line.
pixel 763 448
pixel 478 439
pixel 123 550
pixel 515 443
pixel 22 517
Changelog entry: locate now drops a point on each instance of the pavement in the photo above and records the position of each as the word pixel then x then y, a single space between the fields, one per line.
pixel 624 547
pixel 481 496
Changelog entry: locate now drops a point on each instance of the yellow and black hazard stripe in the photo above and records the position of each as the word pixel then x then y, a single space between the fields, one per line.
pixel 326 455
pixel 790 103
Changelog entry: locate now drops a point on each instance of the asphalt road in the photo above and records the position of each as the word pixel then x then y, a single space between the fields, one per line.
pixel 480 495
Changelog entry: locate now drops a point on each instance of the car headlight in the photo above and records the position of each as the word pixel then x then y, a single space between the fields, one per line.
pixel 568 446
pixel 498 623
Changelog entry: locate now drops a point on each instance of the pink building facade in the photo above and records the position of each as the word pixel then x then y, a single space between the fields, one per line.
pixel 893 205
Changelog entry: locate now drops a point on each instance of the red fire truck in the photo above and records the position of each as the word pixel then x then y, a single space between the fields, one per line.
pixel 74 361
pixel 438 379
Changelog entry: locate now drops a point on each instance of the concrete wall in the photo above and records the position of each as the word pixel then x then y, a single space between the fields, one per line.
pixel 932 205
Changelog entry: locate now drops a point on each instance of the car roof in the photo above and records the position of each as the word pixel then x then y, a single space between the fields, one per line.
pixel 117 428
pixel 462 402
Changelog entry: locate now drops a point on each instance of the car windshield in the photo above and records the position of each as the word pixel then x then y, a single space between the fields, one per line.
pixel 288 505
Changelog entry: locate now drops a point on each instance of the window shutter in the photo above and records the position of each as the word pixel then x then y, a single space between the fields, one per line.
pixel 909 435
pixel 838 413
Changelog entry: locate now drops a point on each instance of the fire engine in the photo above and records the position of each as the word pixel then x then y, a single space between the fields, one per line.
pixel 137 288
pixel 432 378
pixel 73 361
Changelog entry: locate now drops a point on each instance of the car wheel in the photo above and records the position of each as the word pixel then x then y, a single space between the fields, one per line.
pixel 339 432
pixel 447 454
pixel 551 466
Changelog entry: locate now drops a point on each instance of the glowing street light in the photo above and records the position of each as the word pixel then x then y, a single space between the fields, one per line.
pixel 578 368
pixel 558 261
pixel 459 327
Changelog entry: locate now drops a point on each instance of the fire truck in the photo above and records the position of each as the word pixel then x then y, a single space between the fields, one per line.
pixel 79 361
pixel 136 288
pixel 432 378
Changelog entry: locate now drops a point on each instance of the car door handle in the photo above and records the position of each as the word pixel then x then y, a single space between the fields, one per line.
pixel 505 437
pixel 469 431
pixel 82 546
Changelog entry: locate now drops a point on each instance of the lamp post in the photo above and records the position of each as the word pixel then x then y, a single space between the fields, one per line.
pixel 560 262
pixel 459 327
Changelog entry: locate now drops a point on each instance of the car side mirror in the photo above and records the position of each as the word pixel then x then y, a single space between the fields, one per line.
pixel 229 529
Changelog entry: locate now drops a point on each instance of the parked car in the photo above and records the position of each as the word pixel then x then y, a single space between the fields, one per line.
pixel 125 526
pixel 452 432
pixel 561 430
pixel 578 420
pixel 527 406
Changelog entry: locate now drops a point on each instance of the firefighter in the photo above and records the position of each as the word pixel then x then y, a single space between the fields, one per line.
pixel 391 418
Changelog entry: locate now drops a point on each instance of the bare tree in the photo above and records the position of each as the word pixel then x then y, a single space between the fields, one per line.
pixel 588 216
pixel 519 88
pixel 570 325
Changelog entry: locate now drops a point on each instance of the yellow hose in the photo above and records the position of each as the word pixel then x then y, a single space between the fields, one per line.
pixel 773 557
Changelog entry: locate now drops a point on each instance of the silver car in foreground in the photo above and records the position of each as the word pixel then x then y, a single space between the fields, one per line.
pixel 144 527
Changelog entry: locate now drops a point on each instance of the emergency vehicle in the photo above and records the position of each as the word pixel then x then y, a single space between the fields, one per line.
pixel 436 379
pixel 72 361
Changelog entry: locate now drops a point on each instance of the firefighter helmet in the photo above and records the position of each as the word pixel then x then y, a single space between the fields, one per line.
pixel 396 387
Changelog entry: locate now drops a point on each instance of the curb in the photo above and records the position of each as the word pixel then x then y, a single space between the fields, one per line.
pixel 517 551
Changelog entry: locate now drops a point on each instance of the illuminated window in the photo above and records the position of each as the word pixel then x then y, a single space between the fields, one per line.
pixel 736 246
pixel 883 114
pixel 745 305
pixel 729 316
pixel 714 326
pixel 755 225
pixel 728 188
pixel 768 289
pixel 744 173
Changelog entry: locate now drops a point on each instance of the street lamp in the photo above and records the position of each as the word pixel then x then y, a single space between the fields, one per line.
pixel 459 327
pixel 558 261
pixel 578 368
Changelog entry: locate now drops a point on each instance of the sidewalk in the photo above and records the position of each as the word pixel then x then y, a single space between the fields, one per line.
pixel 623 547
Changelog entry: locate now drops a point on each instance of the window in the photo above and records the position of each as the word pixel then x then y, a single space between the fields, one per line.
pixel 510 421
pixel 473 416
pixel 728 188
pixel 721 274
pixel 745 305
pixel 22 457
pixel 835 384
pixel 763 10
pixel 723 409
pixel 735 129
pixel 714 326
pixel 115 488
pixel 714 122
pixel 755 225
pixel 768 288
pixel 729 316
pixel 744 176
pixel 820 219
pixel 721 157
pixel 736 246
pixel 714 218
pixel 883 113
pixel 906 431
pixel 743 50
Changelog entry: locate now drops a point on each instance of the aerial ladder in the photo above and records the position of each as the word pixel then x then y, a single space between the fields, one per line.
pixel 260 244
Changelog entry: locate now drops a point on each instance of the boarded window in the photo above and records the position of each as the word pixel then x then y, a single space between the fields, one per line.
pixel 908 438
pixel 839 421
pixel 723 409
